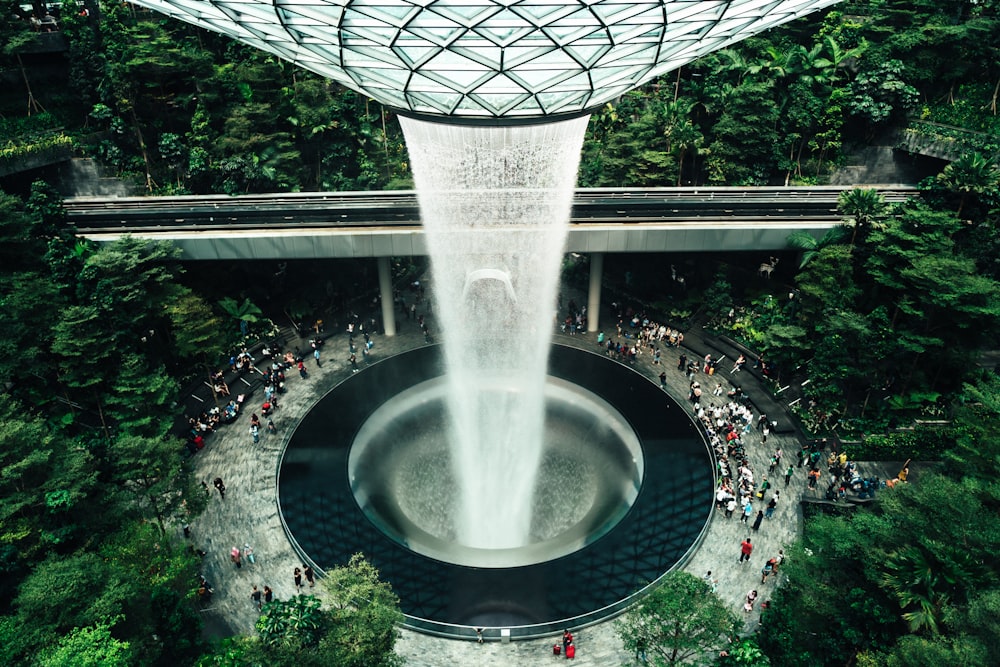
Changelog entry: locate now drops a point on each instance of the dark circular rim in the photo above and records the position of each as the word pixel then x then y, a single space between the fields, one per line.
pixel 665 524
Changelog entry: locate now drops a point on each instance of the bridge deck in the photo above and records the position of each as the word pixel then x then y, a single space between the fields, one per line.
pixel 372 224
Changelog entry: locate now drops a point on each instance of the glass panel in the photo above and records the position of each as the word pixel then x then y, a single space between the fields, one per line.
pixel 380 34
pixel 588 54
pixel 414 55
pixel 440 102
pixel 497 103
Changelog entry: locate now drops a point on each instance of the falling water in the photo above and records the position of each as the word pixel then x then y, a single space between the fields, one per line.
pixel 495 204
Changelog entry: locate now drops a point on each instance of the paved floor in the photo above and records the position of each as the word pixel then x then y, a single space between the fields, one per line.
pixel 248 515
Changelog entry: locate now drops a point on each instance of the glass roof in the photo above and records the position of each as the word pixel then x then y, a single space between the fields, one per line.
pixel 489 58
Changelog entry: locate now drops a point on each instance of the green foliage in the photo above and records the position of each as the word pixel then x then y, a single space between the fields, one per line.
pixel 92 646
pixel 87 575
pixel 241 312
pixel 358 630
pixel 365 613
pixel 44 489
pixel 294 624
pixel 908 581
pixel 920 445
pixel 971 176
pixel 718 299
pixel 880 94
pixel 678 620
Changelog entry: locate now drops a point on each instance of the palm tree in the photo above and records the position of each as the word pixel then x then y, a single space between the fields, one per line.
pixel 863 206
pixel 915 583
pixel 924 579
pixel 811 246
pixel 971 174
pixel 244 313
pixel 775 64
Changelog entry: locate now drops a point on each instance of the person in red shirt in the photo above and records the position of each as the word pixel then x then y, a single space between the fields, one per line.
pixel 745 550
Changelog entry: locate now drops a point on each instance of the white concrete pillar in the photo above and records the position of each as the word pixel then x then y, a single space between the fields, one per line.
pixel 594 293
pixel 385 288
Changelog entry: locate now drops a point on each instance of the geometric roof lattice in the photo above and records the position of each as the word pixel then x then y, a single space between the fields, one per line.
pixel 489 58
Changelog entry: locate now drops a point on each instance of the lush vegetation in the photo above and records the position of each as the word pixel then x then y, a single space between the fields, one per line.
pixel 884 318
pixel 96 343
pixel 680 621
pixel 357 628
pixel 89 482
pixel 782 107
pixel 913 581
pixel 183 110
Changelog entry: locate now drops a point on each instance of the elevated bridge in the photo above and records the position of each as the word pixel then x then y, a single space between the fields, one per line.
pixel 387 224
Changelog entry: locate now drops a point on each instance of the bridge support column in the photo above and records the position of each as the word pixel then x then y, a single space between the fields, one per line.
pixel 385 290
pixel 594 293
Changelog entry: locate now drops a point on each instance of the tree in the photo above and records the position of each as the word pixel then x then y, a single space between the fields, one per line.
pixel 879 94
pixel 746 144
pixel 677 621
pixel 970 175
pixel 811 246
pixel 92 646
pixel 365 614
pixel 909 581
pixel 864 207
pixel 357 630
pixel 46 492
pixel 244 313
pixel 294 624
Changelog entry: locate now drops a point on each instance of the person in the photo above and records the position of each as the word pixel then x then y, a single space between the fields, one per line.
pixel 204 589
pixel 751 598
pixel 767 571
pixel 764 486
pixel 771 505
pixel 663 381
pixel 316 357
pixel 255 596
pixel 220 486
pixel 310 575
pixel 234 556
pixel 298 578
pixel 712 582
pixel 740 363
pixel 255 433
pixel 271 428
pixel 730 507
pixel 302 370
pixel 567 639
pixel 268 595
pixel 758 520
pixel 788 474
pixel 746 548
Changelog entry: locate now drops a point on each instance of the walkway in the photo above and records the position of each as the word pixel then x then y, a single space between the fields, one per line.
pixel 249 515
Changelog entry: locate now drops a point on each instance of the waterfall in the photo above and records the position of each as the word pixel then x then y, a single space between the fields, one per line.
pixel 495 203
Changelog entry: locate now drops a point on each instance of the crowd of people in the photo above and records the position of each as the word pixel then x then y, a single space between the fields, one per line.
pixel 728 421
